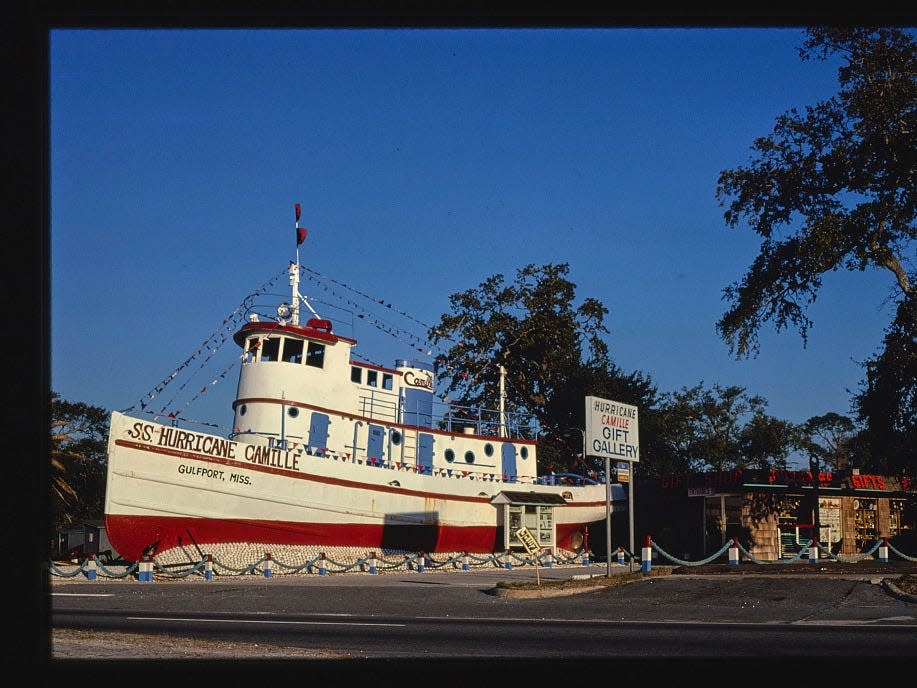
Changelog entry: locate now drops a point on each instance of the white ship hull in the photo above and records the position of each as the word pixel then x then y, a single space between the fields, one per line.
pixel 205 490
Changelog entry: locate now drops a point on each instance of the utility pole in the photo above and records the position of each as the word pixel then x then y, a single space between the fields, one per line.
pixel 813 469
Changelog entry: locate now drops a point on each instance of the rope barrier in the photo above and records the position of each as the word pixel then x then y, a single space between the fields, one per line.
pixel 208 566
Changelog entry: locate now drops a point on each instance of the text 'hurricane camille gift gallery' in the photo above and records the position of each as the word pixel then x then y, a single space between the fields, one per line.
pixel 773 512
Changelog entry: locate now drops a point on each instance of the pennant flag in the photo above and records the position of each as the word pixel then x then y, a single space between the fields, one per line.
pixel 301 232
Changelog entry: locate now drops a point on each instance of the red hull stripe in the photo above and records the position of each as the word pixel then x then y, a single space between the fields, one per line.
pixel 131 535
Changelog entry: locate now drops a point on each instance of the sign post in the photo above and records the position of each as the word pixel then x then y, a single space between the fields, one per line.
pixel 612 432
pixel 531 546
pixel 607 517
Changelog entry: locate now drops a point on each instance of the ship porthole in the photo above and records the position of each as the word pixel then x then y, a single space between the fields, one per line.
pixel 524 452
pixel 450 455
pixel 396 437
pixel 469 457
pixel 292 412
pixel 242 410
pixel 488 449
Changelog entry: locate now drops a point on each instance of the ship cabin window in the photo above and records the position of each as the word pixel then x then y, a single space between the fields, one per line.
pixel 356 374
pixel 270 349
pixel 524 452
pixel 372 378
pixel 450 455
pixel 251 353
pixel 292 350
pixel 469 457
pixel 315 355
pixel 387 381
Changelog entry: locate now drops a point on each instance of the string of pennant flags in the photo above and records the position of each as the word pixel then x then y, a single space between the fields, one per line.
pixel 381 302
pixel 211 346
pixel 405 336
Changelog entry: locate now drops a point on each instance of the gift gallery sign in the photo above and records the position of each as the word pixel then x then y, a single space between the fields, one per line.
pixel 611 430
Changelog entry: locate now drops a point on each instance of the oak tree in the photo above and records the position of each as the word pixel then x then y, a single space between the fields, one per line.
pixel 550 348
pixel 722 428
pixel 835 188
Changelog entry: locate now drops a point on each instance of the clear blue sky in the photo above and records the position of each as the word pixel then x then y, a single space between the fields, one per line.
pixel 425 160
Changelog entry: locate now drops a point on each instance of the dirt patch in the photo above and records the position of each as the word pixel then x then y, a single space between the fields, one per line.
pixel 82 644
pixel 890 569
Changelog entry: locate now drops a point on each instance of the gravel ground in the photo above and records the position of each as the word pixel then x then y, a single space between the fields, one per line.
pixel 80 644
pixel 904 573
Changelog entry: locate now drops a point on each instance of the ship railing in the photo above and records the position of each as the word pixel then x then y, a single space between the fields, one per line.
pixel 451 417
pixel 380 405
pixel 476 420
pixel 570 479
pixel 396 465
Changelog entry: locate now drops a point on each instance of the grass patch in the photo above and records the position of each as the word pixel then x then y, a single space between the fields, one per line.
pixel 907 583
pixel 598 580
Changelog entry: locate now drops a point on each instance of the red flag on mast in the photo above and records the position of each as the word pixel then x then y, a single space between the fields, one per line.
pixel 301 232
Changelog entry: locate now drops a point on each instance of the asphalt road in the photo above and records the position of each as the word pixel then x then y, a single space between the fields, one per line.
pixel 843 621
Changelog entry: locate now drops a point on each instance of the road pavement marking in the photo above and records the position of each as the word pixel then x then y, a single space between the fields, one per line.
pixel 264 621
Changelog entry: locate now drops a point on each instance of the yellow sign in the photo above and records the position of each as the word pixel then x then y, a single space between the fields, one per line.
pixel 525 536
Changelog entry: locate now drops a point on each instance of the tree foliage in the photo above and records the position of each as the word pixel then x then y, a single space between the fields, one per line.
pixel 887 404
pixel 830 189
pixel 78 460
pixel 551 349
pixel 835 188
pixel 722 428
pixel 530 327
pixel 828 440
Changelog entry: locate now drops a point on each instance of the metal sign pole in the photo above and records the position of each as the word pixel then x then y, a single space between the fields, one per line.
pixel 607 517
pixel 630 509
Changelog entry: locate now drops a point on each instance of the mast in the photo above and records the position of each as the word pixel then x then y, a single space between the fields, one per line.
pixel 294 285
pixel 502 402
pixel 301 233
pixel 294 268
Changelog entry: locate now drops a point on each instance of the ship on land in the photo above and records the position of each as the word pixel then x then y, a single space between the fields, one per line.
pixel 328 450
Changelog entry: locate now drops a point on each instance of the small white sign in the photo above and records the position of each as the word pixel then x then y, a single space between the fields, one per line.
pixel 700 491
pixel 528 540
